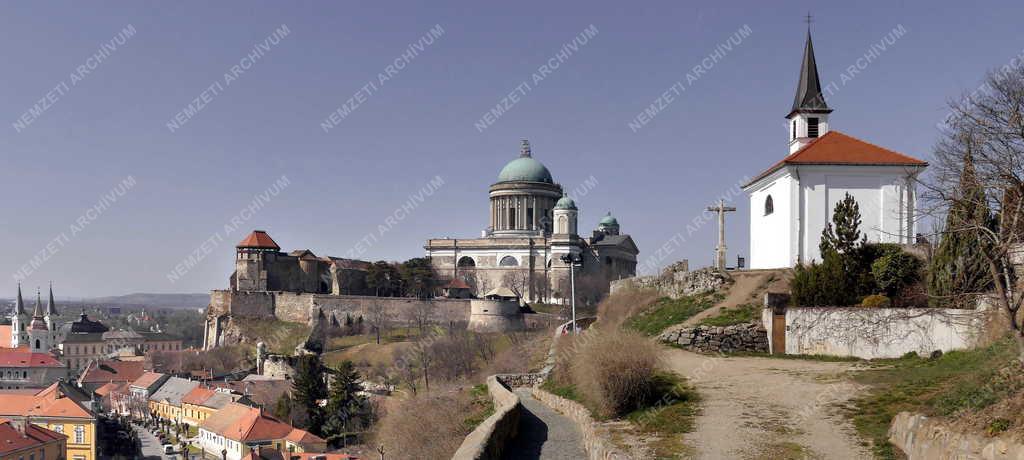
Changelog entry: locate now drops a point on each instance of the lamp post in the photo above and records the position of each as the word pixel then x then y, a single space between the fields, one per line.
pixel 573 260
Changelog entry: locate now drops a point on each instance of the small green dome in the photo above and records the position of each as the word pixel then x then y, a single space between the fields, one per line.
pixel 525 169
pixel 608 220
pixel 565 203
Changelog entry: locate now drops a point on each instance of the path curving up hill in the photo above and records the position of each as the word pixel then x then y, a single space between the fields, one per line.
pixel 544 433
pixel 766 408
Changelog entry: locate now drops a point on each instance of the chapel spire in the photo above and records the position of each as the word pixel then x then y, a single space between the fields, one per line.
pixel 808 118
pixel 808 87
pixel 19 308
pixel 38 312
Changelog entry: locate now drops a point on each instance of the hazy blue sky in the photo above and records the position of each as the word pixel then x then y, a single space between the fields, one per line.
pixel 109 125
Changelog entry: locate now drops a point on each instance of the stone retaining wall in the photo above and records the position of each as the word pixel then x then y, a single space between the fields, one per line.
pixel 921 437
pixel 713 339
pixel 596 440
pixel 488 440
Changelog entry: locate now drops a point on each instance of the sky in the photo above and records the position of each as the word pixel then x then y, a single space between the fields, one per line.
pixel 113 184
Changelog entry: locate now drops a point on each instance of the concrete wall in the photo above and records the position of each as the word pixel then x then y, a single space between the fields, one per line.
pixel 924 438
pixel 488 440
pixel 872 333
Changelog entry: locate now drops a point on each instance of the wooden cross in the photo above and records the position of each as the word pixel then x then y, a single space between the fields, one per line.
pixel 721 209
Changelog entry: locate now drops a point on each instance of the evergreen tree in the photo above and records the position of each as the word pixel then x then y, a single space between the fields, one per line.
pixel 844 237
pixel 307 391
pixel 417 277
pixel 347 411
pixel 959 267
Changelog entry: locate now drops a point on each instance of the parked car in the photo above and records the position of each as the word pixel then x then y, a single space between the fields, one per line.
pixel 168 449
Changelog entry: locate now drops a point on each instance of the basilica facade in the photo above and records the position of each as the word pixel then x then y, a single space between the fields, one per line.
pixel 532 230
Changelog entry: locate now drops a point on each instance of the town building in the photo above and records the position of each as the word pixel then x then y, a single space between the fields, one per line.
pixel 101 372
pixel 237 430
pixel 202 402
pixel 136 402
pixel 533 224
pixel 20 440
pixel 88 341
pixel 792 201
pixel 61 408
pixel 165 402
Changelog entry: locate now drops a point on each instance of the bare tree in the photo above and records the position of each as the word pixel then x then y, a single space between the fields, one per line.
pixel 377 317
pixel 423 355
pixel 517 280
pixel 420 314
pixel 988 129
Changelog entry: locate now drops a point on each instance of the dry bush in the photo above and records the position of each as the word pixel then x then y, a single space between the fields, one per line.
pixel 427 426
pixel 618 307
pixel 614 370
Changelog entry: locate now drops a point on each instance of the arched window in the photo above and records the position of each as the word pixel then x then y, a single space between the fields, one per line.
pixel 466 261
pixel 769 205
pixel 563 225
pixel 509 261
pixel 37 344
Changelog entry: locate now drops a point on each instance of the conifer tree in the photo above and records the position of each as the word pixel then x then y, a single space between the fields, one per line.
pixel 959 268
pixel 307 391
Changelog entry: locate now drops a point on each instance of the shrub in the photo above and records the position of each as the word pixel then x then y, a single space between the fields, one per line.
pixel 895 271
pixel 406 436
pixel 875 301
pixel 824 284
pixel 615 371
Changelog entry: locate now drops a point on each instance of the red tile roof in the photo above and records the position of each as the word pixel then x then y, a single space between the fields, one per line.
pixel 836 148
pixel 112 387
pixel 22 357
pixel 457 284
pixel 304 438
pixel 112 371
pixel 242 423
pixel 197 396
pixel 147 379
pixel 259 239
pixel 12 439
pixel 5 335
pixel 49 402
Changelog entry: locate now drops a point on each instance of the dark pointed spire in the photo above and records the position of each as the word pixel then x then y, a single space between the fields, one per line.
pixel 51 306
pixel 808 89
pixel 19 308
pixel 38 312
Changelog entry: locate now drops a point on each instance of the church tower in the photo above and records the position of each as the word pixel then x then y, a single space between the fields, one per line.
pixel 50 317
pixel 38 333
pixel 19 323
pixel 808 119
pixel 565 215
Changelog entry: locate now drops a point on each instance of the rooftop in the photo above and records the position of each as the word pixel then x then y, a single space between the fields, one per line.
pixel 112 371
pixel 16 436
pixel 258 239
pixel 22 357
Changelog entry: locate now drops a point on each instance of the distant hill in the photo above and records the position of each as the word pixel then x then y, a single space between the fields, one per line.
pixel 156 300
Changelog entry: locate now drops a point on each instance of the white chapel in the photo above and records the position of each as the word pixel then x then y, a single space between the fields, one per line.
pixel 791 201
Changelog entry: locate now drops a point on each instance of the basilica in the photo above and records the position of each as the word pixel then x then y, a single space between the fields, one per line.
pixel 532 233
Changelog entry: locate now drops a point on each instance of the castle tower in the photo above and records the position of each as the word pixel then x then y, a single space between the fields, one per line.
pixel 19 323
pixel 38 333
pixel 808 119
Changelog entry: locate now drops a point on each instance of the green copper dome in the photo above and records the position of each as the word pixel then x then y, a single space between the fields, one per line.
pixel 565 203
pixel 525 169
pixel 608 220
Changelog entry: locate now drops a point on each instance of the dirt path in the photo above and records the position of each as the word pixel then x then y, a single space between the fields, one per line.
pixel 747 287
pixel 763 408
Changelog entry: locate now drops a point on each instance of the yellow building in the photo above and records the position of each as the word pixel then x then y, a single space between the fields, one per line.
pixel 165 402
pixel 200 403
pixel 19 441
pixel 59 408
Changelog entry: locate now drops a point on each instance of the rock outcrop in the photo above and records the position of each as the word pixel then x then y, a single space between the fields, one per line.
pixel 676 284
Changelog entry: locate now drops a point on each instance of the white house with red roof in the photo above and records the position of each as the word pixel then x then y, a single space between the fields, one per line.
pixel 793 200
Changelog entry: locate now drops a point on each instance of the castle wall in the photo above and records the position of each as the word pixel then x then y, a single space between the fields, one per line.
pixel 444 310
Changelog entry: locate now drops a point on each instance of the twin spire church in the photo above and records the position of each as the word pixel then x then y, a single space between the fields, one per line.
pixel 793 200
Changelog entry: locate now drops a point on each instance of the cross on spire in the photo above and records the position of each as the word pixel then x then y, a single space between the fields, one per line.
pixel 808 19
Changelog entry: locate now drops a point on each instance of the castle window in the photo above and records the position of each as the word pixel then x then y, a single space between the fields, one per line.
pixel 769 205
pixel 812 127
pixel 509 261
pixel 466 261
pixel 38 345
